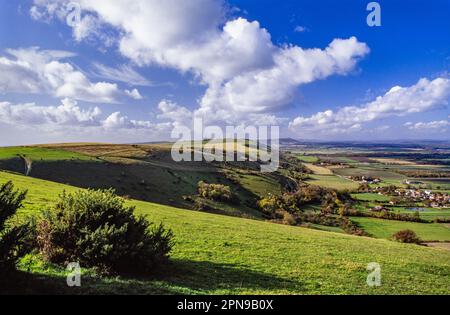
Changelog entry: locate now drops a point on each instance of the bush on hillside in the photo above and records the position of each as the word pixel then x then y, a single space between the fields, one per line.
pixel 95 229
pixel 12 239
pixel 216 192
pixel 406 236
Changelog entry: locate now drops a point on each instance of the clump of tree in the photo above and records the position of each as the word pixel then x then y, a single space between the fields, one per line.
pixel 407 236
pixel 13 239
pixel 388 190
pixel 364 188
pixel 96 229
pixel 288 208
pixel 216 192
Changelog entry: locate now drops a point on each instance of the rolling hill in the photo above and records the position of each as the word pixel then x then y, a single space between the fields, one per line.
pixel 220 254
pixel 144 172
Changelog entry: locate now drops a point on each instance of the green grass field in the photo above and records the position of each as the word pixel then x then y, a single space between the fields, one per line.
pixel 41 154
pixel 370 197
pixel 429 214
pixel 386 228
pixel 217 254
pixel 332 181
pixel 373 170
pixel 325 228
pixel 437 184
pixel 307 158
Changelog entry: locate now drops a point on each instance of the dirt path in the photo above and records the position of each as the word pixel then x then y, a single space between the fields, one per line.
pixel 28 164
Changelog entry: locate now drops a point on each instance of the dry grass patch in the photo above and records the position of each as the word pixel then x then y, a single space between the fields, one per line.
pixel 318 170
pixel 389 161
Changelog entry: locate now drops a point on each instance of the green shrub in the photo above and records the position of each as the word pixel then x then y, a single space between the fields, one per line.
pixel 95 229
pixel 12 239
pixel 216 192
pixel 406 236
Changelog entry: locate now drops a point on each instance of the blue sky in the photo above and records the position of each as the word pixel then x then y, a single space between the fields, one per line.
pixel 126 77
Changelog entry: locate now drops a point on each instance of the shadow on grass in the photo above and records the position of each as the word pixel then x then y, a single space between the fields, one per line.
pixel 203 277
pixel 179 277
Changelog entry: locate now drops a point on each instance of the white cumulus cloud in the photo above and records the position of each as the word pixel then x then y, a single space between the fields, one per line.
pixel 134 94
pixel 244 71
pixel 33 70
pixel 425 95
pixel 68 113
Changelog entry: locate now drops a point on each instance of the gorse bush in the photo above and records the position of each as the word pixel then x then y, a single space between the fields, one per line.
pixel 10 202
pixel 95 229
pixel 406 236
pixel 12 239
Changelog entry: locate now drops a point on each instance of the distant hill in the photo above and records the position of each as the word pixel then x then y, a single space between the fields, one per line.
pixel 289 141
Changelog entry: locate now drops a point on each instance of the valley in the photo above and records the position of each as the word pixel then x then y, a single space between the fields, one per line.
pixel 336 211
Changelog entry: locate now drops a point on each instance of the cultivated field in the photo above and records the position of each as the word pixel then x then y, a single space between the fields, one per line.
pixel 386 228
pixel 332 181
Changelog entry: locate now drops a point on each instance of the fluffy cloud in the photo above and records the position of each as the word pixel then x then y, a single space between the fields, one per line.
pixel 175 113
pixel 70 116
pixel 424 96
pixel 440 125
pixel 245 72
pixel 66 114
pixel 42 71
pixel 134 94
pixel 68 121
pixel 118 121
pixel 270 89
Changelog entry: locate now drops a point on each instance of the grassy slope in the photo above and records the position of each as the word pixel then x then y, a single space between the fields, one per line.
pixel 386 228
pixel 144 172
pixel 259 185
pixel 218 254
